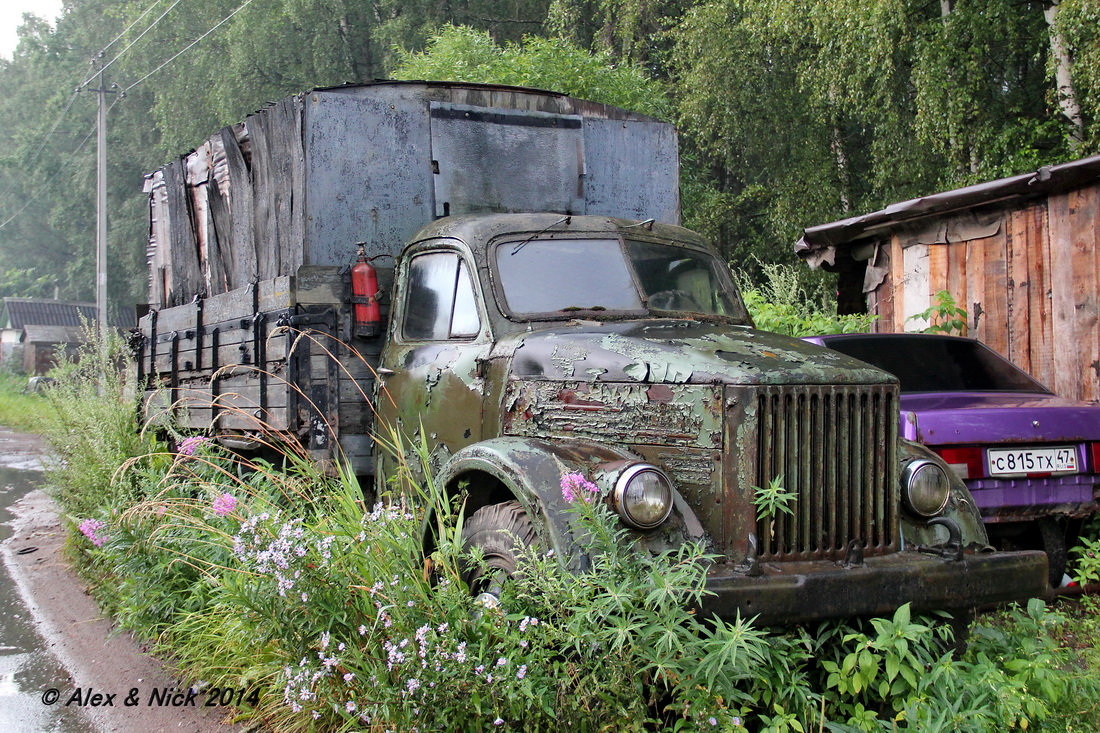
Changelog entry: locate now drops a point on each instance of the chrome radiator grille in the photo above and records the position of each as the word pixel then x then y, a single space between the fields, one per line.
pixel 835 449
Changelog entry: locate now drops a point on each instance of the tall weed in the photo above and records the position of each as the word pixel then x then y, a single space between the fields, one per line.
pixel 782 304
pixel 92 431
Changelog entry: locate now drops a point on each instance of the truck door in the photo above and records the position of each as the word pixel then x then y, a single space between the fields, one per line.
pixel 430 379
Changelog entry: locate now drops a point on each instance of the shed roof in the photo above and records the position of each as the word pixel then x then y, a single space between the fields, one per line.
pixel 1045 181
pixel 52 335
pixel 18 313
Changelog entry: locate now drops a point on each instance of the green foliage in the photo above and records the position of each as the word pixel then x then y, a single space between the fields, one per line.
pixel 782 304
pixel 19 410
pixel 1079 23
pixel 1086 554
pixel 773 499
pixel 285 582
pixel 92 431
pixel 943 316
pixel 463 53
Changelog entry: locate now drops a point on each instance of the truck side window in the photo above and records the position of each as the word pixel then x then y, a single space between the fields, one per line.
pixel 440 304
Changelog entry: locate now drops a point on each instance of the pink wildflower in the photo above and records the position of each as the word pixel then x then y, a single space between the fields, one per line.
pixel 575 487
pixel 190 445
pixel 224 504
pixel 90 528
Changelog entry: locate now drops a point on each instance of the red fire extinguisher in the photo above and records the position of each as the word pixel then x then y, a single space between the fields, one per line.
pixel 364 295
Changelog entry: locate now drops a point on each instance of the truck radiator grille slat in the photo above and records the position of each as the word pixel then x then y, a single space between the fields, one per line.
pixel 834 448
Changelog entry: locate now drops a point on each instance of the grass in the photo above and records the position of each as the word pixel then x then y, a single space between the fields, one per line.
pixel 19 411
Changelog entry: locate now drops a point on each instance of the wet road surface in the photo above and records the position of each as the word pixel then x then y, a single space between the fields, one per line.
pixel 27 667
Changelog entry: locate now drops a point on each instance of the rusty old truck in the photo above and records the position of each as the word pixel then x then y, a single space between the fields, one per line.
pixel 543 315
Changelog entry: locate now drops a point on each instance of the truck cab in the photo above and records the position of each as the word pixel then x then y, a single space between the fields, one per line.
pixel 526 347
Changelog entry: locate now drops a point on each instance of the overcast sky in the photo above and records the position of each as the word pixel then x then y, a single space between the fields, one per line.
pixel 11 17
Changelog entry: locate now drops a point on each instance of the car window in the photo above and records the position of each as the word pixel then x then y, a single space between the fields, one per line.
pixel 440 303
pixel 938 364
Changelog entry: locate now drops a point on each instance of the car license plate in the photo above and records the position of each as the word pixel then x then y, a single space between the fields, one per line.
pixel 1062 459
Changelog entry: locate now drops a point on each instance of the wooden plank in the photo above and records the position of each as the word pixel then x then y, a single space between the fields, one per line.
pixel 278 180
pixel 1042 320
pixel 236 346
pixel 1017 247
pixel 1063 329
pixel 880 300
pixel 265 187
pixel 937 268
pixel 355 391
pixel 356 370
pixel 358 450
pixel 241 247
pixel 185 272
pixel 995 300
pixel 1086 282
pixel 975 287
pixel 219 231
pixel 916 300
pixel 319 285
pixel 291 159
pixel 956 272
pixel 896 293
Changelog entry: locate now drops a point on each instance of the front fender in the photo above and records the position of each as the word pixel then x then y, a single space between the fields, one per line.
pixel 960 508
pixel 530 469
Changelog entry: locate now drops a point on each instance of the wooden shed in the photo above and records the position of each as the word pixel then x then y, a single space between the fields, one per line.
pixel 1019 255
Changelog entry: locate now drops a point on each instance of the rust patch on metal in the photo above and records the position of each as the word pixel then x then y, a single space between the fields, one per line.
pixel 682 415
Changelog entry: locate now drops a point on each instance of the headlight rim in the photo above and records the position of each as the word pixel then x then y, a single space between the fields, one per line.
pixel 909 472
pixel 622 483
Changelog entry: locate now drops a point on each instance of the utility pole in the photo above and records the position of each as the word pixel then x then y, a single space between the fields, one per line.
pixel 101 211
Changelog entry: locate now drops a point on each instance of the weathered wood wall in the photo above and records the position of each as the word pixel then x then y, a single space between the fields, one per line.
pixel 1031 289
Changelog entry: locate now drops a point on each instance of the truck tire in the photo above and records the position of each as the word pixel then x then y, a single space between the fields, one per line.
pixel 501 531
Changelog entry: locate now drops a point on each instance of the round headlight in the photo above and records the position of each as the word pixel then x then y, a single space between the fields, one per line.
pixel 643 496
pixel 925 488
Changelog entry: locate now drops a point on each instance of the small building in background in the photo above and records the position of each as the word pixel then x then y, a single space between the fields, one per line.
pixel 1018 254
pixel 36 333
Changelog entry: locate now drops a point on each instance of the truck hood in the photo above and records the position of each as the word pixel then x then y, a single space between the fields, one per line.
pixel 957 418
pixel 680 352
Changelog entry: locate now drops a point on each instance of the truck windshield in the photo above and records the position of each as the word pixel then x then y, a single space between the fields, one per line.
pixel 554 276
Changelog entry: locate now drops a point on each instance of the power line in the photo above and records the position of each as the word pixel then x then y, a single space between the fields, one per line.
pixel 42 146
pixel 189 46
pixel 49 135
pixel 132 43
pixel 185 49
pixel 55 174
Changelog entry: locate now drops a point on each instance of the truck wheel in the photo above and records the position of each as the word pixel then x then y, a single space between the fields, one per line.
pixel 501 531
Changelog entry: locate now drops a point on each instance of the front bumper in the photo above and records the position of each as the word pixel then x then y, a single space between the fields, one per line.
pixel 794 592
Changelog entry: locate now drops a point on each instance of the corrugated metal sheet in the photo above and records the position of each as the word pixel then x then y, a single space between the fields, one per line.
pixel 18 313
pixel 1043 182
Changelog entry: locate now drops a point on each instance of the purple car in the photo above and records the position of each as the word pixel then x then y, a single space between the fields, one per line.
pixel 1031 459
